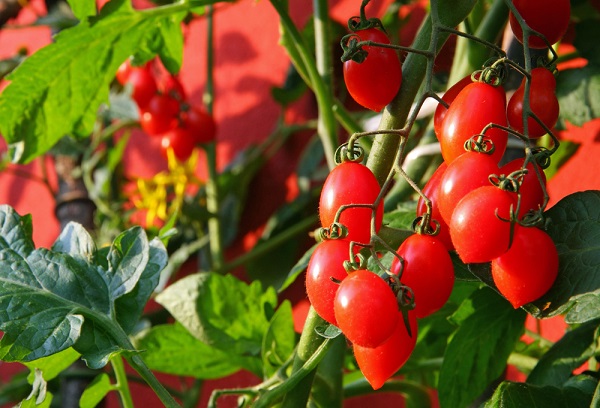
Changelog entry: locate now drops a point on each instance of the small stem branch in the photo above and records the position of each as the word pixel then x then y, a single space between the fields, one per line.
pixel 138 365
pixel 122 383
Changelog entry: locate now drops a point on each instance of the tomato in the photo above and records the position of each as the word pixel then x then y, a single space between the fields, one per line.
pixel 123 72
pixel 542 102
pixel 380 363
pixel 468 172
pixel 428 270
pixel 170 85
pixel 143 86
pixel 326 262
pixel 160 115
pixel 431 191
pixel 374 82
pixel 548 17
pixel 448 97
pixel 366 309
pixel 351 183
pixel 532 194
pixel 529 268
pixel 476 106
pixel 477 233
pixel 201 124
pixel 180 140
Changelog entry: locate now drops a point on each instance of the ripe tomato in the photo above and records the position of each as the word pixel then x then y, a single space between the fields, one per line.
pixel 123 72
pixel 374 82
pixel 160 115
pixel 351 183
pixel 468 172
pixel 475 107
pixel 448 97
pixel 326 262
pixel 170 85
pixel 431 191
pixel 366 309
pixel 201 124
pixel 477 233
pixel 542 102
pixel 180 140
pixel 548 17
pixel 143 86
pixel 532 194
pixel 528 269
pixel 380 363
pixel 427 270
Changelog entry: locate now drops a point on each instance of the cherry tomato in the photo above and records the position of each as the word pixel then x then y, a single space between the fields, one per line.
pixel 468 172
pixel 143 85
pixel 160 114
pixel 326 262
pixel 548 17
pixel 477 233
pixel 427 269
pixel 528 269
pixel 542 102
pixel 476 106
pixel 201 124
pixel 180 140
pixel 123 72
pixel 532 194
pixel 448 97
pixel 380 363
pixel 351 183
pixel 170 85
pixel 374 82
pixel 431 191
pixel 366 309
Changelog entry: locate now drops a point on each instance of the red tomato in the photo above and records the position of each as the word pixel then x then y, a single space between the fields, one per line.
pixel 123 72
pixel 351 183
pixel 477 233
pixel 374 82
pixel 201 124
pixel 143 84
pixel 468 172
pixel 528 269
pixel 532 194
pixel 427 270
pixel 542 102
pixel 366 309
pixel 431 191
pixel 170 85
pixel 548 17
pixel 326 262
pixel 180 140
pixel 476 106
pixel 160 115
pixel 448 97
pixel 380 363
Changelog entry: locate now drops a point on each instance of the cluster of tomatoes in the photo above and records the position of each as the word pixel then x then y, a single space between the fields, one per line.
pixel 164 110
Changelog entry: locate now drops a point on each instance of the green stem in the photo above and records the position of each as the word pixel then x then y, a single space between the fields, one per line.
pixel 122 384
pixel 416 393
pixel 138 365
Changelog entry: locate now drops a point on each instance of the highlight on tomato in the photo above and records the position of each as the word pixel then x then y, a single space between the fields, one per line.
pixel 548 17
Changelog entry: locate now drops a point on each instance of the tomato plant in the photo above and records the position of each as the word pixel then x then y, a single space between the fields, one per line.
pixel 159 115
pixel 549 18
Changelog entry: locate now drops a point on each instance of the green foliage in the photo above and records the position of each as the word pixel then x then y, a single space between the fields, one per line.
pixel 521 395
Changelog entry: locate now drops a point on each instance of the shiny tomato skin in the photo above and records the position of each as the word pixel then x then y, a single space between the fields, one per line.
pixel 201 124
pixel 382 362
pixel 548 17
pixel 143 84
pixel 428 270
pixel 529 268
pixel 172 86
pixel 542 101
pixel 160 114
pixel 468 172
pixel 326 262
pixel 180 140
pixel 351 183
pixel 431 191
pixel 476 106
pixel 477 233
pixel 448 97
pixel 366 308
pixel 123 72
pixel 374 82
pixel 532 194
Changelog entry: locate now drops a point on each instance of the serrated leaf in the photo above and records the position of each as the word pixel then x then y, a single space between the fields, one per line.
pixel 477 353
pixel 520 395
pixel 83 9
pixel 574 225
pixel 578 92
pixel 57 90
pixel 573 349
pixel 221 310
pixel 279 340
pixel 96 391
pixel 173 350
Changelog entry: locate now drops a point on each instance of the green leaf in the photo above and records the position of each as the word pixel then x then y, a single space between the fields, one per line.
pixel 75 241
pixel 573 349
pixel 15 231
pixel 477 352
pixel 173 350
pixel 297 269
pixel 221 310
pixel 171 42
pixel 587 33
pixel 578 92
pixel 279 340
pixel 53 365
pixel 57 90
pixel 96 391
pixel 83 9
pixel 520 395
pixel 574 225
pixel 402 217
